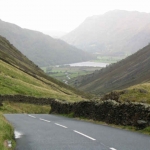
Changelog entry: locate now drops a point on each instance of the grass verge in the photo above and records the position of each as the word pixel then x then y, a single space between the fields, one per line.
pixel 130 128
pixel 11 107
pixel 6 134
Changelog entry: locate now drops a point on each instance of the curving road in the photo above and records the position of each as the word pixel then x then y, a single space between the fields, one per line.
pixel 52 132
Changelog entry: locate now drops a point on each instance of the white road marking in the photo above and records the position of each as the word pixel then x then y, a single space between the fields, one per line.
pixel 45 120
pixel 31 116
pixel 60 125
pixel 113 148
pixel 17 134
pixel 84 135
pixel 9 144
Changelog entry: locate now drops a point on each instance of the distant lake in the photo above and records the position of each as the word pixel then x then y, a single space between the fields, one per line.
pixel 88 64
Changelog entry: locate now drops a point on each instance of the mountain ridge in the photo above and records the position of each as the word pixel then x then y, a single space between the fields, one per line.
pixel 42 49
pixel 115 32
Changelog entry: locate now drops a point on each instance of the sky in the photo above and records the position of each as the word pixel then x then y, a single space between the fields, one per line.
pixel 61 15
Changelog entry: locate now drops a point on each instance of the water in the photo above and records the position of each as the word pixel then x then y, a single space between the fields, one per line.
pixel 88 64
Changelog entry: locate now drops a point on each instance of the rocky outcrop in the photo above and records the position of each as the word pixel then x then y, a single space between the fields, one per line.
pixel 108 111
pixel 114 95
pixel 141 124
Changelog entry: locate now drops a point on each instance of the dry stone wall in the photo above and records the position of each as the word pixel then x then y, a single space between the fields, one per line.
pixel 131 114
pixel 110 111
pixel 26 99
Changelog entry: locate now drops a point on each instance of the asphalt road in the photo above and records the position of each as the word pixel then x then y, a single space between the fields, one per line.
pixel 52 132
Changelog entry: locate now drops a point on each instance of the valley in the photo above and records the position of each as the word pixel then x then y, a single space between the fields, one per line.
pixel 69 71
pixel 128 72
pixel 65 73
pixel 98 72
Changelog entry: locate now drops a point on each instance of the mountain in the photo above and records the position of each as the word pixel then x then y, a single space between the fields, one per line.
pixel 54 34
pixel 116 32
pixel 133 70
pixel 19 75
pixel 42 49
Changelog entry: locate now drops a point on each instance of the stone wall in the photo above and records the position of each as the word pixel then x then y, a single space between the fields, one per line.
pixel 1 104
pixel 131 114
pixel 26 99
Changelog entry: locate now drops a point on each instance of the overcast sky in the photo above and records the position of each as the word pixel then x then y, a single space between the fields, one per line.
pixel 61 15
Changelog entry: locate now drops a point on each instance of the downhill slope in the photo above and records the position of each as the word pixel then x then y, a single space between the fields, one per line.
pixel 18 75
pixel 133 70
pixel 42 49
pixel 116 32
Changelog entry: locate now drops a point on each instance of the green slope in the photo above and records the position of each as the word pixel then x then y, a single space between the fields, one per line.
pixel 18 75
pixel 42 49
pixel 136 93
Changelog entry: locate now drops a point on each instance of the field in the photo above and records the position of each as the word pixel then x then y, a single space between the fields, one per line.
pixel 109 59
pixel 65 73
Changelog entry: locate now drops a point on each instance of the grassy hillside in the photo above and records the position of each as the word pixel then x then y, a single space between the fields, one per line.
pixel 14 81
pixel 42 49
pixel 137 93
pixel 131 71
pixel 18 75
pixel 116 32
pixel 6 134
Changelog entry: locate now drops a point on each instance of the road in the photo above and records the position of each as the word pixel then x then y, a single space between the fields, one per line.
pixel 52 132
